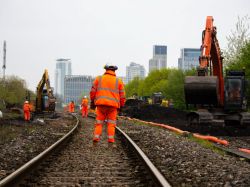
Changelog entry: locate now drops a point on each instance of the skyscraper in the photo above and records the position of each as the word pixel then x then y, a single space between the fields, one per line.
pixel 63 68
pixel 76 86
pixel 189 58
pixel 159 60
pixel 134 70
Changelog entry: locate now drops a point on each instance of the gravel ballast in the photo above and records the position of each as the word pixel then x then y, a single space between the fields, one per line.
pixel 186 162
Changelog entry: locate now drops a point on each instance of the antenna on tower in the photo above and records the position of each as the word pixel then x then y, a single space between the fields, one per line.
pixel 4 59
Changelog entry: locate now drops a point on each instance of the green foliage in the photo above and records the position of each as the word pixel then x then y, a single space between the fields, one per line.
pixel 237 40
pixel 243 62
pixel 175 89
pixel 168 81
pixel 133 87
pixel 12 91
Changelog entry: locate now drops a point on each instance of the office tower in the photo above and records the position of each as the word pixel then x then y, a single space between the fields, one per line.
pixel 76 86
pixel 189 58
pixel 134 70
pixel 159 60
pixel 63 68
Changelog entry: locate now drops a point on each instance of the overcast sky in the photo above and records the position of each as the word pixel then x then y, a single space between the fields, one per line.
pixel 92 33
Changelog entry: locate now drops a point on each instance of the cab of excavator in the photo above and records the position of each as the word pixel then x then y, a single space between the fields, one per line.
pixel 235 91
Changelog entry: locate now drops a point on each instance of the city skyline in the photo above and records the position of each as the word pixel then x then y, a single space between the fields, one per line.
pixel 93 33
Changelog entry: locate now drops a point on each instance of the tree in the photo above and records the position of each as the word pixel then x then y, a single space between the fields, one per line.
pixel 156 81
pixel 175 90
pixel 13 92
pixel 243 62
pixel 132 87
pixel 237 40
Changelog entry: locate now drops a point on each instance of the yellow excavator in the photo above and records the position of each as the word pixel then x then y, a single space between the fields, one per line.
pixel 45 100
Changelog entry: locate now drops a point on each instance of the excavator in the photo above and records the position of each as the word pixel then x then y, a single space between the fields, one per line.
pixel 45 100
pixel 215 98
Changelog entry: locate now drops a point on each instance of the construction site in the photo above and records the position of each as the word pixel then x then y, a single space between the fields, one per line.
pixel 193 131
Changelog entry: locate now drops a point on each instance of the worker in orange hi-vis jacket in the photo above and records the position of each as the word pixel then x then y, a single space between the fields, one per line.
pixel 84 106
pixel 107 95
pixel 71 107
pixel 26 110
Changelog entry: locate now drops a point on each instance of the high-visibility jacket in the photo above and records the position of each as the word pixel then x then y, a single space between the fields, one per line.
pixel 108 90
pixel 84 102
pixel 71 107
pixel 26 107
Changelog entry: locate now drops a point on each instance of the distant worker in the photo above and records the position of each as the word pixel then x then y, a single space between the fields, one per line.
pixel 26 110
pixel 84 106
pixel 71 107
pixel 108 95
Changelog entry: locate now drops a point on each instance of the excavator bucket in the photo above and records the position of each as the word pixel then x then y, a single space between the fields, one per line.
pixel 201 90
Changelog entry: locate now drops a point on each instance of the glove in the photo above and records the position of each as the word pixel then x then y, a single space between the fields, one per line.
pixel 92 105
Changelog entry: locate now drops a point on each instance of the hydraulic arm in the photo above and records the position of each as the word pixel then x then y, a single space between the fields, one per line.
pixel 45 100
pixel 207 88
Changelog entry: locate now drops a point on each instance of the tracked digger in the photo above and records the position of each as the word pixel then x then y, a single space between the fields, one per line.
pixel 45 100
pixel 215 98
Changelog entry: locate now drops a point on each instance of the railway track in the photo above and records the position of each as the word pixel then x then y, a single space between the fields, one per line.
pixel 79 162
pixel 185 162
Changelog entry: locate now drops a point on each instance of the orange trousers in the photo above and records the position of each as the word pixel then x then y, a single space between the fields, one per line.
pixel 26 115
pixel 84 111
pixel 108 114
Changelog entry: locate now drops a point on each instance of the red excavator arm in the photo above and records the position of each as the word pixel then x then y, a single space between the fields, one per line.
pixel 208 87
pixel 211 56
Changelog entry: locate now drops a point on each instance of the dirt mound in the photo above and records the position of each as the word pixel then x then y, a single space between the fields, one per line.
pixel 158 113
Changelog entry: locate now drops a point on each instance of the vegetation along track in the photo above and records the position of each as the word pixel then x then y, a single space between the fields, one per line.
pixel 82 163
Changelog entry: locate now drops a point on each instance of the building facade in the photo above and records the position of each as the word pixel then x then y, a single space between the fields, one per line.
pixel 134 70
pixel 159 60
pixel 77 86
pixel 63 68
pixel 189 58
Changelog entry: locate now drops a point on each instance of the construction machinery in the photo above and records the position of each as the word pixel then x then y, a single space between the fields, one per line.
pixel 45 100
pixel 157 98
pixel 215 97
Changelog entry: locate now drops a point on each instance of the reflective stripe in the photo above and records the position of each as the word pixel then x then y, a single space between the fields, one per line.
pixel 111 121
pixel 106 97
pixel 121 91
pixel 108 89
pixel 99 121
pixel 96 136
pixel 111 137
pixel 100 88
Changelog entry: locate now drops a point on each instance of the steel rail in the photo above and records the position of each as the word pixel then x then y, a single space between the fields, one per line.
pixel 14 178
pixel 158 178
pixel 234 152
